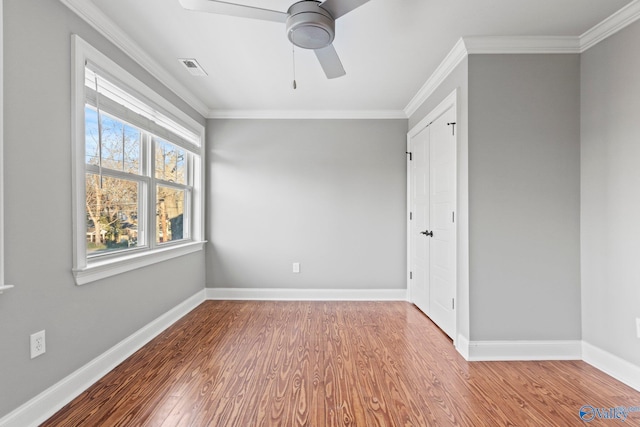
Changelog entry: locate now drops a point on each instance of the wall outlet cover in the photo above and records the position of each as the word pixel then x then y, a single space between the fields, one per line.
pixel 38 344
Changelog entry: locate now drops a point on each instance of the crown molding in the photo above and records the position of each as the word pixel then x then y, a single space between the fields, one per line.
pixel 489 45
pixel 90 13
pixel 450 62
pixel 463 47
pixel 611 25
pixel 307 114
pixel 521 44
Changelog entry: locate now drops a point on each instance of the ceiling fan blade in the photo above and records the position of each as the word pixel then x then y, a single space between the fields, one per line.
pixel 330 62
pixel 337 8
pixel 232 9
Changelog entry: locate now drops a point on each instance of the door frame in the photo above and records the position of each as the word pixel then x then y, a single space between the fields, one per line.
pixel 451 101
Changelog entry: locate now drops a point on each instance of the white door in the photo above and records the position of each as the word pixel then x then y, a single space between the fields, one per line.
pixel 419 197
pixel 442 199
pixel 432 235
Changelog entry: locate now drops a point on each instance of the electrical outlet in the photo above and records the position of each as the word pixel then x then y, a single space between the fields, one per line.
pixel 638 326
pixel 38 345
pixel 296 267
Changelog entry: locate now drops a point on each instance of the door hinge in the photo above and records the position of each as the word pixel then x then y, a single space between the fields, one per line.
pixel 453 217
pixel 453 303
pixel 411 275
pixel 410 216
pixel 410 155
pixel 453 127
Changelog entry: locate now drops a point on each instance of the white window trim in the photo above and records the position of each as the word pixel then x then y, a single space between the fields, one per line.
pixel 86 271
pixel 3 286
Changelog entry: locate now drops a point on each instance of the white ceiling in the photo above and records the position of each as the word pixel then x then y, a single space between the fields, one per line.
pixel 389 48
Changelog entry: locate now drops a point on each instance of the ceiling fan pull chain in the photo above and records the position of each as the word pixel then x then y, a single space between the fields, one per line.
pixel 293 57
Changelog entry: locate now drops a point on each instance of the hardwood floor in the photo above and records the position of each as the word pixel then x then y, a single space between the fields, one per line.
pixel 242 363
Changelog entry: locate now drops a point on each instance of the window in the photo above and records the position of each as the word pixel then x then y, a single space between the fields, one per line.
pixel 137 178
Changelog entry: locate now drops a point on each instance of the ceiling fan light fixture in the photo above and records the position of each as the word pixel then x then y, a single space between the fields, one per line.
pixel 309 26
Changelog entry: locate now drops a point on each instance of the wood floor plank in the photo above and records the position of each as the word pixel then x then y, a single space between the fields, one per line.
pixel 297 363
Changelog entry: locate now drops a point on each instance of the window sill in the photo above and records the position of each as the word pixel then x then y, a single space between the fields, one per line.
pixel 106 268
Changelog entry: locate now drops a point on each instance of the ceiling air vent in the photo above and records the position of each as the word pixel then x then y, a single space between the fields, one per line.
pixel 193 67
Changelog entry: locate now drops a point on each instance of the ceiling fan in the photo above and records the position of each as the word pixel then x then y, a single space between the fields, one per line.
pixel 309 23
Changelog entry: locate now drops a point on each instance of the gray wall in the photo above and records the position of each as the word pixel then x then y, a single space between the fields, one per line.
pixel 330 194
pixel 524 189
pixel 518 195
pixel 457 79
pixel 80 322
pixel 610 202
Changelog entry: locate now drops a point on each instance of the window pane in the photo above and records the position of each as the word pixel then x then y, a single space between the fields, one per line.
pixel 170 162
pixel 169 214
pixel 91 149
pixel 112 214
pixel 120 142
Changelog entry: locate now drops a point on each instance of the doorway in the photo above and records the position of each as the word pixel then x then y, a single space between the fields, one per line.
pixel 432 215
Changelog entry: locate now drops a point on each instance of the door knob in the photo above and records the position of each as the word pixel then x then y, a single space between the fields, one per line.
pixel 427 233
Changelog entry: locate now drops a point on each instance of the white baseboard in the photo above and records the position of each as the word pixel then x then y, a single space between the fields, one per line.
pixel 41 407
pixel 524 350
pixel 612 365
pixel 462 345
pixel 306 294
pixel 47 403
